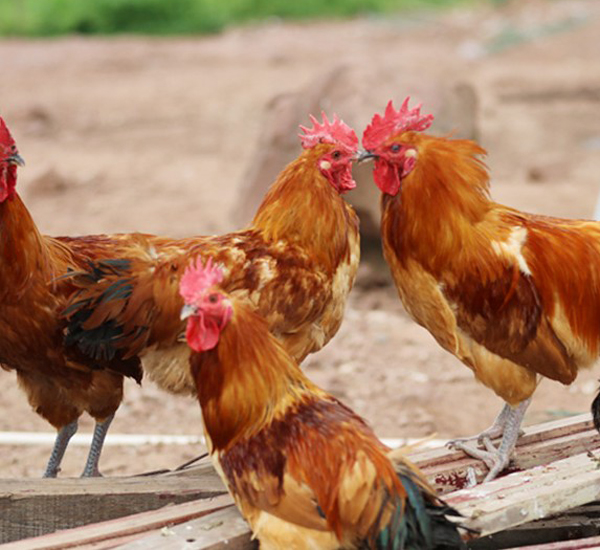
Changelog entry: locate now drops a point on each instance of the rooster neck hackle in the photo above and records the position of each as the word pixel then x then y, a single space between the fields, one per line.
pixel 22 248
pixel 316 217
pixel 243 386
pixel 439 202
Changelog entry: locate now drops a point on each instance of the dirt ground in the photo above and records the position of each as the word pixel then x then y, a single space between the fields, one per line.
pixel 157 135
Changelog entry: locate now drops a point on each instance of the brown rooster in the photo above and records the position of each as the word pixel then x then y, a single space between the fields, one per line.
pixel 512 295
pixel 305 471
pixel 32 295
pixel 295 263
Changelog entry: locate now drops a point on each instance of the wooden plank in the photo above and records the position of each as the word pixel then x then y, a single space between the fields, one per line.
pixel 525 496
pixel 581 544
pixel 111 533
pixel 578 523
pixel 30 507
pixel 222 530
pixel 449 470
pixel 35 507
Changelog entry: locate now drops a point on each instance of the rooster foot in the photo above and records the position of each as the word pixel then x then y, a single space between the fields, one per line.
pixel 494 431
pixel 495 459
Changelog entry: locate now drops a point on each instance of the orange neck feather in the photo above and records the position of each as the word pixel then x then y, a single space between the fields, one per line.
pixel 438 203
pixel 246 380
pixel 304 209
pixel 22 247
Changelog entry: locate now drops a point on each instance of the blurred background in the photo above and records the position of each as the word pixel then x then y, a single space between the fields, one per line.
pixel 174 118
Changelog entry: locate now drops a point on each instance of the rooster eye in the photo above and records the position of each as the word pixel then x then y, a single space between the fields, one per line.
pixel 213 298
pixel 336 155
pixel 395 148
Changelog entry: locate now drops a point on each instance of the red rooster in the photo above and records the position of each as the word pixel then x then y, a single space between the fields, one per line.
pixel 514 296
pixel 32 295
pixel 304 470
pixel 295 263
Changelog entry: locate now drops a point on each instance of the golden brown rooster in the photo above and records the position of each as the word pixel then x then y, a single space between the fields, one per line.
pixel 32 295
pixel 295 263
pixel 305 471
pixel 512 295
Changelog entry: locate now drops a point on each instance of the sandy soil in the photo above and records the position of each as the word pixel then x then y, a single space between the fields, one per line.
pixel 156 135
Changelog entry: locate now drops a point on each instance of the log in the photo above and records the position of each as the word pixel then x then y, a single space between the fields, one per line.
pixel 33 507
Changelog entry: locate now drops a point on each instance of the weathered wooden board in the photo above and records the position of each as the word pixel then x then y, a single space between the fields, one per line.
pixel 33 507
pixel 581 544
pixel 541 444
pixel 526 496
pixel 108 534
pixel 505 503
pixel 576 524
pixel 225 529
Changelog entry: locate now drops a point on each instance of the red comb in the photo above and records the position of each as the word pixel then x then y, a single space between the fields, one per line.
pixel 198 278
pixel 6 140
pixel 394 122
pixel 336 132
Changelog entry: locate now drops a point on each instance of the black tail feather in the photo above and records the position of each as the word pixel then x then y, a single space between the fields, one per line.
pixel 421 522
pixel 596 411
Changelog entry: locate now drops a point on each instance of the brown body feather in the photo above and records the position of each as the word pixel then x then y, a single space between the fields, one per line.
pixel 295 263
pixel 305 471
pixel 32 296
pixel 511 294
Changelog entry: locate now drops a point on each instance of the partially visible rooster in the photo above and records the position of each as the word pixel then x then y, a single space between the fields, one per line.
pixel 512 295
pixel 304 470
pixel 32 295
pixel 295 263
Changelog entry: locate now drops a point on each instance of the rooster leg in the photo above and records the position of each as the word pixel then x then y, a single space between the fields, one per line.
pixel 100 431
pixel 60 446
pixel 494 431
pixel 496 459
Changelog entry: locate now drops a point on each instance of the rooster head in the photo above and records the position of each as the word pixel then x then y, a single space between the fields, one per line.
pixel 207 309
pixel 9 160
pixel 390 140
pixel 335 146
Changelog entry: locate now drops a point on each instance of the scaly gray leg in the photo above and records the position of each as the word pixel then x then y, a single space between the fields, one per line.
pixel 60 446
pixel 100 431
pixel 494 431
pixel 496 459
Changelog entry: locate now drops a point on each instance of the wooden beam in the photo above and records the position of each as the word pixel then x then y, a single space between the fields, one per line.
pixel 525 496
pixel 120 531
pixel 32 507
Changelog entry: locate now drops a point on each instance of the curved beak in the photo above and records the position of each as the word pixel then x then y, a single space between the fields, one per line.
pixel 187 311
pixel 17 159
pixel 365 155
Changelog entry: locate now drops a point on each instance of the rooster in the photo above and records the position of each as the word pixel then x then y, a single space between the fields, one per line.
pixel 295 263
pixel 514 296
pixel 32 295
pixel 304 470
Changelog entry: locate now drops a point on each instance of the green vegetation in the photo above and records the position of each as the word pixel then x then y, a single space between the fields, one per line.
pixel 55 17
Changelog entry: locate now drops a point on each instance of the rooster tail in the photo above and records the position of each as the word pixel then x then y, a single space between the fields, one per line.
pixel 596 411
pixel 419 521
